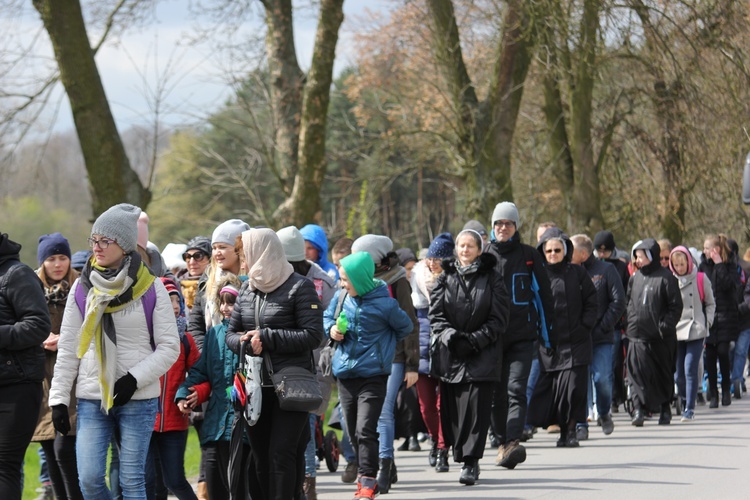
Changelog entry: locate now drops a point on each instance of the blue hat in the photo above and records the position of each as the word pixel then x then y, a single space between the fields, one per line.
pixel 79 259
pixel 441 247
pixel 52 244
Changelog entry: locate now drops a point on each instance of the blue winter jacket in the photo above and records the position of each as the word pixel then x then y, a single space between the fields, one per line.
pixel 216 365
pixel 376 323
pixel 317 238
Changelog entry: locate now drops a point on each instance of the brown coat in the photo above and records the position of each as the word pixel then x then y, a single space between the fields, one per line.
pixel 44 428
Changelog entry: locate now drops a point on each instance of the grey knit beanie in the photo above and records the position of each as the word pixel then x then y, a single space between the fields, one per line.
pixel 293 243
pixel 378 246
pixel 227 231
pixel 506 211
pixel 119 223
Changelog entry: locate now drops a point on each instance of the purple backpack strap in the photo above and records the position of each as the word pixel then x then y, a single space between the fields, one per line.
pixel 148 300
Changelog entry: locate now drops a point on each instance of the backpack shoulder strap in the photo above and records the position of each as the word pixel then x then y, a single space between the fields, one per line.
pixel 701 291
pixel 148 300
pixel 340 303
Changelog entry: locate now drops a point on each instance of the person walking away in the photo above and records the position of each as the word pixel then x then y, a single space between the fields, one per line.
pixel 24 326
pixel 364 357
pixel 469 309
pixel 117 338
pixel 698 308
pixel 531 318
pixel 611 305
pixel 653 310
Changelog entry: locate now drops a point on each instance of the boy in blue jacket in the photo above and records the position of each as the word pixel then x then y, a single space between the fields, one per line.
pixel 363 357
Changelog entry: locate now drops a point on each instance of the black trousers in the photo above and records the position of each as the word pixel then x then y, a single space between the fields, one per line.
pixel 718 352
pixel 465 417
pixel 277 444
pixel 362 400
pixel 62 467
pixel 509 397
pixel 19 413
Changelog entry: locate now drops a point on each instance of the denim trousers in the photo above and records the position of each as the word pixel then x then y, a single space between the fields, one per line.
pixel 169 447
pixel 689 354
pixel 19 412
pixel 387 420
pixel 602 377
pixel 740 355
pixel 311 449
pixel 133 423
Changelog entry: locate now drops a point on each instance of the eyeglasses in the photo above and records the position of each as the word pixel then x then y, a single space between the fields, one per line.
pixel 197 256
pixel 553 250
pixel 508 223
pixel 103 243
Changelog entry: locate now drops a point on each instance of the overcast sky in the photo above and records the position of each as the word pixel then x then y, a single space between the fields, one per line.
pixel 195 88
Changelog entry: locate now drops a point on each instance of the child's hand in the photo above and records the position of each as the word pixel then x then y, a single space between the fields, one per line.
pixel 336 334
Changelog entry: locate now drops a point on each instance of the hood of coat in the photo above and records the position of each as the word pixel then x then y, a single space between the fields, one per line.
pixel 487 263
pixel 653 248
pixel 9 249
pixel 691 268
pixel 552 234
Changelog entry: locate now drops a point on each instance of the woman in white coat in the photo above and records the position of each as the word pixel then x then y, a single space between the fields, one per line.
pixel 118 336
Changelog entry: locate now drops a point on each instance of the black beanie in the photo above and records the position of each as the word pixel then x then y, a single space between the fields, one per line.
pixel 604 239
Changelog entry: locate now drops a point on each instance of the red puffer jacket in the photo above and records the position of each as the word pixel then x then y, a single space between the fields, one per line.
pixel 168 415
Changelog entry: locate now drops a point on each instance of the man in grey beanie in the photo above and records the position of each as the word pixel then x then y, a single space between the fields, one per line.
pixel 531 311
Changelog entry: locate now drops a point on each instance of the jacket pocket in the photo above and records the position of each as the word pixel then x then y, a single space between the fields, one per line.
pixel 522 294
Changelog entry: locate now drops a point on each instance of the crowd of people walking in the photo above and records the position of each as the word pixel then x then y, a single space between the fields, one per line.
pixel 123 349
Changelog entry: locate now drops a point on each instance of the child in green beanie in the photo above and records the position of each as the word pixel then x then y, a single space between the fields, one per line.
pixel 363 357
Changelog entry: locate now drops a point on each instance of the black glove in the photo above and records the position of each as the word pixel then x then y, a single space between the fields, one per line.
pixel 124 389
pixel 460 346
pixel 61 419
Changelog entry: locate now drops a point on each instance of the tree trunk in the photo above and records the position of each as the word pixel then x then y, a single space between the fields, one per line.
pixel 483 131
pixel 304 203
pixel 111 179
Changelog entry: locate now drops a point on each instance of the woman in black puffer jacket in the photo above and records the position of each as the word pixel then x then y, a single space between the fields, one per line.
pixel 469 309
pixel 723 273
pixel 288 327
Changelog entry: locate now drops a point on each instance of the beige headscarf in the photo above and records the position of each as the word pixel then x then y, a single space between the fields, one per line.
pixel 265 260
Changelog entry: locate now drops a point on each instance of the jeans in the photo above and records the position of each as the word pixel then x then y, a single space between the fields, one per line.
pixel 43 469
pixel 387 420
pixel 619 393
pixel 346 443
pixel 509 401
pixel 310 450
pixel 169 447
pixel 740 355
pixel 689 354
pixel 603 377
pixel 362 402
pixel 19 413
pixel 133 422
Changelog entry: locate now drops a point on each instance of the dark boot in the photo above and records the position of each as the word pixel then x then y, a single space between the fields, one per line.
pixel 432 457
pixel 404 446
pixel 442 461
pixel 665 417
pixel 714 395
pixel 394 472
pixel 469 472
pixel 638 418
pixel 384 475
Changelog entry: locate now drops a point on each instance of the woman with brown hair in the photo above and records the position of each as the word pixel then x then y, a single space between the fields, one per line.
pixel 717 262
pixel 57 275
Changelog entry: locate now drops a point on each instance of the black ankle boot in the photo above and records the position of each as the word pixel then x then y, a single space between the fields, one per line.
pixel 442 461
pixel 432 457
pixel 384 475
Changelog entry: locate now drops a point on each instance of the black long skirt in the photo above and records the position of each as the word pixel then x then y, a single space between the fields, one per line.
pixel 559 397
pixel 465 417
pixel 651 372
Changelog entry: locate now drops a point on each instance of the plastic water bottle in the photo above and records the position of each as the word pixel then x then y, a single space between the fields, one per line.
pixel 342 323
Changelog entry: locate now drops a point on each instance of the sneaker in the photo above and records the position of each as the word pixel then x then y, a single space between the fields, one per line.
pixel 582 433
pixel 607 424
pixel 688 416
pixel 515 453
pixel 367 487
pixel 350 473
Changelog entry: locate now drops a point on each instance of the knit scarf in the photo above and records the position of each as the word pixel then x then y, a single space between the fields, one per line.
pixel 468 269
pixel 108 291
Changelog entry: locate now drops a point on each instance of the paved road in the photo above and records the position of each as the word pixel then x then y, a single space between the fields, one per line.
pixel 705 459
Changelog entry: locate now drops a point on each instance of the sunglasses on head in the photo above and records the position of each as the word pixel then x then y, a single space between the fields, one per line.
pixel 197 256
pixel 553 250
